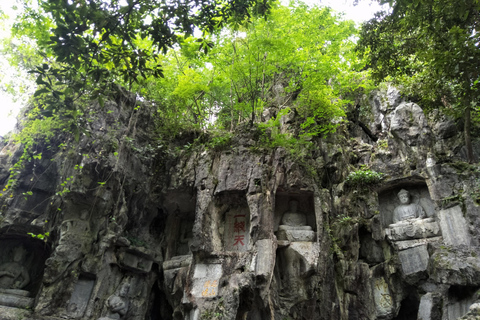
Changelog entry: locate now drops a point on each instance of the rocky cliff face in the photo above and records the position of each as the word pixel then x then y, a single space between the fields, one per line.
pixel 120 227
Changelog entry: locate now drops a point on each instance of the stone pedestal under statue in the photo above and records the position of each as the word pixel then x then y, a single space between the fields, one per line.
pixel 16 298
pixel 413 229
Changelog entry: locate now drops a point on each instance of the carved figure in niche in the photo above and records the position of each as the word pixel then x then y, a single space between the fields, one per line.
pixel 407 210
pixel 118 304
pixel 294 220
pixel 293 226
pixel 13 275
pixel 410 221
pixel 185 239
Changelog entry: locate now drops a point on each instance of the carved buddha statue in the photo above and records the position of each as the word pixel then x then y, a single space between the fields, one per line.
pixel 406 210
pixel 294 220
pixel 410 221
pixel 293 226
pixel 118 303
pixel 13 275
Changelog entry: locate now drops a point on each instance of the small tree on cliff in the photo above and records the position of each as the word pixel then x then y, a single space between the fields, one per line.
pixel 432 48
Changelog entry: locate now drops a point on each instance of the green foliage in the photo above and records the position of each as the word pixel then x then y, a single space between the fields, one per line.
pixel 345 220
pixel 219 141
pixel 88 45
pixel 216 313
pixel 41 236
pixel 383 144
pixel 135 241
pixel 430 48
pixel 299 60
pixel 363 177
pixel 37 132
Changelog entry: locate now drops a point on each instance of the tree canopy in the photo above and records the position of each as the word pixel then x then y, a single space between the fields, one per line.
pixel 432 49
pixel 249 53
pixel 204 64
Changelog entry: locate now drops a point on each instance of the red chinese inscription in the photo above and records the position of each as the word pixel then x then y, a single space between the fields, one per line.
pixel 238 226
pixel 239 240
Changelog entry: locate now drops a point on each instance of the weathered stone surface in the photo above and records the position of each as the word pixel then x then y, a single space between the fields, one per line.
pixel 80 297
pixel 414 229
pixel 430 307
pixel 457 302
pixel 455 266
pixel 265 259
pixel 473 312
pixel 445 129
pixel 15 300
pixel 402 245
pixel 409 124
pixel 295 235
pixel 414 260
pixel 206 280
pixel 177 262
pixel 235 171
pixel 9 313
pixel 309 252
pixel 384 303
pixel 135 261
pixel 454 227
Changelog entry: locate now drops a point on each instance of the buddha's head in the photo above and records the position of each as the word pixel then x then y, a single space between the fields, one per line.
pixel 293 205
pixel 124 289
pixel 404 196
pixel 19 254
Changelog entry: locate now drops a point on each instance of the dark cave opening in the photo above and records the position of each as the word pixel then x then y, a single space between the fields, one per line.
pixel 460 293
pixel 408 309
pixel 158 306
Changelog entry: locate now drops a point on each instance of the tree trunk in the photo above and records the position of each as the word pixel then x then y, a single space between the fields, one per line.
pixel 468 138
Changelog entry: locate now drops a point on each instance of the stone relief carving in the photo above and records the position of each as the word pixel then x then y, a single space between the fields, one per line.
pixel 185 238
pixel 118 303
pixel 407 210
pixel 80 296
pixel 297 248
pixel 294 226
pixel 14 278
pixel 410 221
pixel 13 275
pixel 183 234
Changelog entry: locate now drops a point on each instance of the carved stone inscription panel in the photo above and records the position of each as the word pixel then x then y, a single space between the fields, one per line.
pixel 234 214
pixel 80 296
pixel 236 236
pixel 205 280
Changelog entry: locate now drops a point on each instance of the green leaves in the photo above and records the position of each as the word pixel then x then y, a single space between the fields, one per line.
pixel 431 49
pixel 363 177
pixel 90 33
pixel 300 57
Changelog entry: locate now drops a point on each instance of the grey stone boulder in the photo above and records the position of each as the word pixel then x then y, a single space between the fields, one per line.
pixel 408 123
pixel 455 266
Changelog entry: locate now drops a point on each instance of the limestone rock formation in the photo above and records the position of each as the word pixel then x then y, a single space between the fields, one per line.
pixel 123 228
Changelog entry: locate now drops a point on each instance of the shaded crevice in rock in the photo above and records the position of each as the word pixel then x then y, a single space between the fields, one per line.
pixel 408 309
